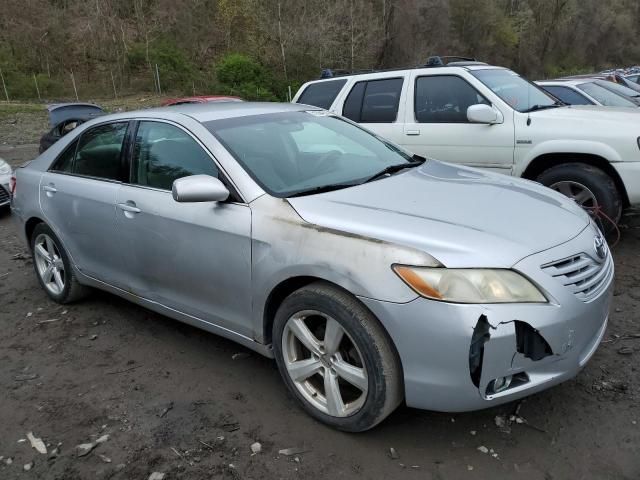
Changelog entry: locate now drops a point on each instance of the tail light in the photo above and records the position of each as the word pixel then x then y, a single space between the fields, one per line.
pixel 12 185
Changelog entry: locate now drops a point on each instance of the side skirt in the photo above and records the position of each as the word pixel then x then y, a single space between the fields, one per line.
pixel 265 350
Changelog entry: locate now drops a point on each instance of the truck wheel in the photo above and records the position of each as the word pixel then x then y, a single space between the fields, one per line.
pixel 589 186
pixel 336 358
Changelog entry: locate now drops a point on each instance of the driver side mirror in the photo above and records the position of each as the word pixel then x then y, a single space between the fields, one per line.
pixel 199 188
pixel 482 113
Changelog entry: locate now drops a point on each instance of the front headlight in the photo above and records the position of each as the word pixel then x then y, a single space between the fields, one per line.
pixel 5 168
pixel 470 285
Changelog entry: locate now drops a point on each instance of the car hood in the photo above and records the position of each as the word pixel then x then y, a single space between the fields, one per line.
pixel 461 216
pixel 61 112
pixel 590 113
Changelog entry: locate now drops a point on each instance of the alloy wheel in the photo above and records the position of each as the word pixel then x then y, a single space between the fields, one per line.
pixel 576 191
pixel 49 264
pixel 324 363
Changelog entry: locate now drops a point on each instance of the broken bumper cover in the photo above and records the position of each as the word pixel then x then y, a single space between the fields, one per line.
pixel 538 345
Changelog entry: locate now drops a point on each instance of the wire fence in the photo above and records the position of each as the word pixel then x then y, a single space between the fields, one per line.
pixel 109 84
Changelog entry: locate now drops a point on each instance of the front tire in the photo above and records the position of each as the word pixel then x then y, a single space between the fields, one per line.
pixel 590 187
pixel 53 267
pixel 336 358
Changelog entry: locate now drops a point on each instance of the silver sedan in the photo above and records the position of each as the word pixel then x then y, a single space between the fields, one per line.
pixel 372 276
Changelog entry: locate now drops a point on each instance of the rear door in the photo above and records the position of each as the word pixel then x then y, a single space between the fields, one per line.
pixel 192 257
pixel 376 105
pixel 436 124
pixel 78 196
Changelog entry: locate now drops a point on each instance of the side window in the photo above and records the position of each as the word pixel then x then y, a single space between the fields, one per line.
pixel 64 163
pixel 567 95
pixel 321 94
pixel 374 101
pixel 99 152
pixel 163 153
pixel 352 107
pixel 444 99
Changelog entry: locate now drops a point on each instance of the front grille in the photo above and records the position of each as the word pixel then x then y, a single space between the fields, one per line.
pixel 583 275
pixel 4 196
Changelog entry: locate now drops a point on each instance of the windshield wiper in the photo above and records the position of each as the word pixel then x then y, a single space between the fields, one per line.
pixel 338 186
pixel 322 189
pixel 537 107
pixel 394 168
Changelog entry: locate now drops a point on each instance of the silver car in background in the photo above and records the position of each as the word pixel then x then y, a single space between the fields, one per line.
pixel 372 276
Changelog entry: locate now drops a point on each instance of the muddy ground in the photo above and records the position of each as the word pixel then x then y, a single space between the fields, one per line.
pixel 176 400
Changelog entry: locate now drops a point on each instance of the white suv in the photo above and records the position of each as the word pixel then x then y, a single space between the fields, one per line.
pixel 490 117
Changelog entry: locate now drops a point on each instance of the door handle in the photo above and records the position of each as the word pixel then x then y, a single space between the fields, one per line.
pixel 413 132
pixel 127 207
pixel 49 189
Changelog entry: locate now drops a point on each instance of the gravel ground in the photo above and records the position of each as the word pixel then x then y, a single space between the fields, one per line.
pixel 176 400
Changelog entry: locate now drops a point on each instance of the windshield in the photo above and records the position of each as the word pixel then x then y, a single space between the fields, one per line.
pixel 290 153
pixel 605 96
pixel 519 93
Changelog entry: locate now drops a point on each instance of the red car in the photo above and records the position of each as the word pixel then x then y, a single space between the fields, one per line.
pixel 200 99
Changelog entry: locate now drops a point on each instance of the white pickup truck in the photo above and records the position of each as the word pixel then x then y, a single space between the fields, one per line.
pixel 489 117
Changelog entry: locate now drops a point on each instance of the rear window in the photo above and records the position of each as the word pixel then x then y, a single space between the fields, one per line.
pixel 321 94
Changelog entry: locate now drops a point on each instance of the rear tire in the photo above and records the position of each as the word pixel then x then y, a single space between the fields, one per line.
pixel 344 349
pixel 53 267
pixel 589 186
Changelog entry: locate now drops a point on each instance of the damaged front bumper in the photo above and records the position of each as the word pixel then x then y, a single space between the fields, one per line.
pixel 468 357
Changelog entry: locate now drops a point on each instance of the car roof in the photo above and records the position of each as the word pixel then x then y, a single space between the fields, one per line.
pixel 201 99
pixel 206 112
pixel 595 76
pixel 387 73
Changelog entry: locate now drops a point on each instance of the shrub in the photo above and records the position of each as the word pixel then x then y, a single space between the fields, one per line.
pixel 241 75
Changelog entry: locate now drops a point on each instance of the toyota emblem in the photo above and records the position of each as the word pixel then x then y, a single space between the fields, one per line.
pixel 600 247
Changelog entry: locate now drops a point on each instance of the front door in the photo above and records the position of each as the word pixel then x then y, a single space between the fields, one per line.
pixel 192 257
pixel 436 124
pixel 78 196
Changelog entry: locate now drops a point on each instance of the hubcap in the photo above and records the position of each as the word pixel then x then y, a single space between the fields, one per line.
pixel 324 363
pixel 49 264
pixel 578 192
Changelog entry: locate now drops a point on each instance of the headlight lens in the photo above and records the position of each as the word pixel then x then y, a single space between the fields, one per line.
pixel 5 168
pixel 470 285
